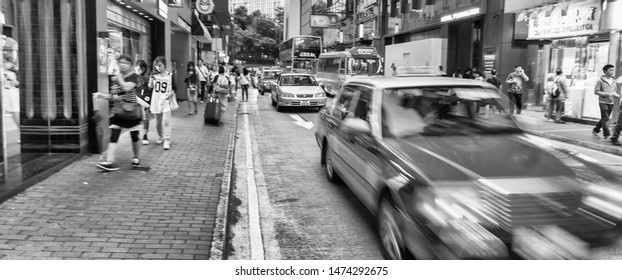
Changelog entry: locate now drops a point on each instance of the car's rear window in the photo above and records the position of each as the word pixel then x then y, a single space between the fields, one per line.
pixel 444 111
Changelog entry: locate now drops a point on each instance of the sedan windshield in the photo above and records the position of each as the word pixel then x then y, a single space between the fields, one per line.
pixel 444 111
pixel 296 80
pixel 270 75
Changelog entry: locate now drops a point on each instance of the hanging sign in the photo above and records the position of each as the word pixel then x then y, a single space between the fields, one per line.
pixel 175 3
pixel 205 6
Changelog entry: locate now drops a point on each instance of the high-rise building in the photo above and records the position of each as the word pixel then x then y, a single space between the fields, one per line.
pixel 266 7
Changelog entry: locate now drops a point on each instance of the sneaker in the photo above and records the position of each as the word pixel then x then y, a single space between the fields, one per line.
pixel 107 165
pixel 202 101
pixel 594 133
pixel 606 137
pixel 145 140
pixel 135 162
pixel 159 141
pixel 615 142
pixel 167 145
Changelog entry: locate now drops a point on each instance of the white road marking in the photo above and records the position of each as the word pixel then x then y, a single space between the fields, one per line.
pixel 257 252
pixel 299 121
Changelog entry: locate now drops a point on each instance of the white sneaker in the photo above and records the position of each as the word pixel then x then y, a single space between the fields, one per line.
pixel 167 145
pixel 159 141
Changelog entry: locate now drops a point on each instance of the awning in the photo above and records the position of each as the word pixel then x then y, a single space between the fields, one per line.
pixel 199 31
pixel 514 6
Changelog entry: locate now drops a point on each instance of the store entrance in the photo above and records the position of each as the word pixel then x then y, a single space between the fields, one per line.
pixel 464 46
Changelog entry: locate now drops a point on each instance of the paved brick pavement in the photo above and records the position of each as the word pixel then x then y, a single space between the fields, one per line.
pixel 533 121
pixel 168 212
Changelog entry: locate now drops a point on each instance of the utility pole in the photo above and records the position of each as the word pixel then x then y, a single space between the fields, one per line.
pixel 354 26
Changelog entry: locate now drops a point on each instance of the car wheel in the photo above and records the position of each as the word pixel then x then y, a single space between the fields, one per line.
pixel 328 164
pixel 278 107
pixel 389 231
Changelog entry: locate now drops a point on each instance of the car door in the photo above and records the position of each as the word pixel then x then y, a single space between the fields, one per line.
pixel 363 152
pixel 338 139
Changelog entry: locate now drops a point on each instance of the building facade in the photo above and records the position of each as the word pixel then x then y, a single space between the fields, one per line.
pixel 579 37
pixel 62 51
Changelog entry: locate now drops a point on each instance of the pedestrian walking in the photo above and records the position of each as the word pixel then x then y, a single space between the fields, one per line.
pixel 244 81
pixel 493 79
pixel 515 81
pixel 126 112
pixel 192 84
pixel 222 87
pixel 606 88
pixel 556 94
pixel 202 73
pixel 233 78
pixel 144 95
pixel 477 76
pixel 163 100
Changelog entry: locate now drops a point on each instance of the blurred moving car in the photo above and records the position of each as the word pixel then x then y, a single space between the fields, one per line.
pixel 266 80
pixel 449 175
pixel 297 90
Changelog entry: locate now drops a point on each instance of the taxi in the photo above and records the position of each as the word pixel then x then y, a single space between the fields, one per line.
pixel 449 174
pixel 297 90
pixel 266 79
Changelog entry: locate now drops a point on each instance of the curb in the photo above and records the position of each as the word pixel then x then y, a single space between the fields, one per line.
pixel 220 225
pixel 597 147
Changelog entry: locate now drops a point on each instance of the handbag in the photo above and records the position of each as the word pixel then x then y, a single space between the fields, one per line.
pixel 126 107
pixel 173 102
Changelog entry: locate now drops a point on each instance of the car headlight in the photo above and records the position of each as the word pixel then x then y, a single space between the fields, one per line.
pixel 320 94
pixel 287 94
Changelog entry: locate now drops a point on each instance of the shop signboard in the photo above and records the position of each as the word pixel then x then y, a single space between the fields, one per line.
pixel 490 55
pixel 433 13
pixel 205 6
pixel 102 51
pixel 162 9
pixel 564 20
pixel 324 21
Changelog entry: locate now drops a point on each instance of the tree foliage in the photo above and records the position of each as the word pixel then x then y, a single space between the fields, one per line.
pixel 255 35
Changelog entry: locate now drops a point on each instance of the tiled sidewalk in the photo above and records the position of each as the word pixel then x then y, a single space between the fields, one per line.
pixel 533 121
pixel 166 212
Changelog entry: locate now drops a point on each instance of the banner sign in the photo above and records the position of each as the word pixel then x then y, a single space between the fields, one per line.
pixel 564 20
pixel 324 21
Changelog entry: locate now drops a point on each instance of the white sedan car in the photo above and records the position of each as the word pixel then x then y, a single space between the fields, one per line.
pixel 298 90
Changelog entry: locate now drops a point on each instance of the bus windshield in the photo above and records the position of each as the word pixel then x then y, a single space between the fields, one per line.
pixel 363 66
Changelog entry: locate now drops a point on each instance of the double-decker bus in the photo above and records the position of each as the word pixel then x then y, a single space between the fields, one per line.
pixel 334 68
pixel 299 54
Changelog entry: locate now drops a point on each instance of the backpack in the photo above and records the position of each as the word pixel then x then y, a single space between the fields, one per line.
pixel 222 84
pixel 555 91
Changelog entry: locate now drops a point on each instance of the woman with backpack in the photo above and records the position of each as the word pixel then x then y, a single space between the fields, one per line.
pixel 192 83
pixel 127 113
pixel 555 90
pixel 144 94
pixel 163 100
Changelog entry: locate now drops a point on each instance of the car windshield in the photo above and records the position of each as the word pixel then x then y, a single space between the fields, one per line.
pixel 440 111
pixel 298 80
pixel 363 66
pixel 269 75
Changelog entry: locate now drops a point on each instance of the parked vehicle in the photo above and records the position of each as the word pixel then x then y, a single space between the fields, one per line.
pixel 449 175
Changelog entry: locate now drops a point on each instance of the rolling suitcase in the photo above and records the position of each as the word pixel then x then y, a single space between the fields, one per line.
pixel 212 110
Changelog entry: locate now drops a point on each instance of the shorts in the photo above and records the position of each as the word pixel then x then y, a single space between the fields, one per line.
pixel 193 95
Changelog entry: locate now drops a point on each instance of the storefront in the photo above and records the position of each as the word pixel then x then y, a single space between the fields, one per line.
pixel 44 118
pixel 129 33
pixel 435 33
pixel 569 36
